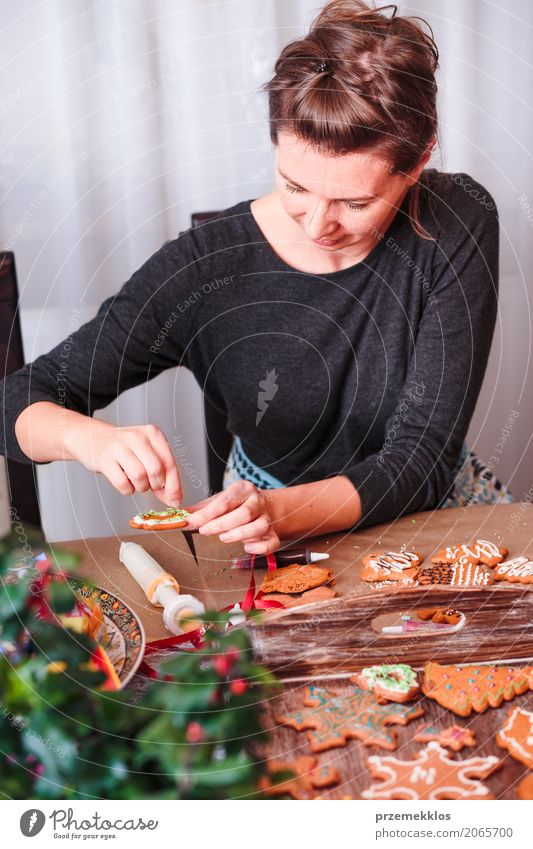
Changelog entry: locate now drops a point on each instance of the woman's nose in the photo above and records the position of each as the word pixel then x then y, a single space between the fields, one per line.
pixel 319 223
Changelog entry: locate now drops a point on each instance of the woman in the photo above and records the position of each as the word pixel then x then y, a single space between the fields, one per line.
pixel 344 321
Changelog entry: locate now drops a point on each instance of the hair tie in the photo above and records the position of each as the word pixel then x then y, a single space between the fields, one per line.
pixel 322 68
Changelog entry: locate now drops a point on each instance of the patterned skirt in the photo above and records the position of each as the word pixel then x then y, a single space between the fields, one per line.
pixel 474 482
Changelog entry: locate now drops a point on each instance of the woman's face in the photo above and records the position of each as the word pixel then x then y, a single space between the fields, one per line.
pixel 340 200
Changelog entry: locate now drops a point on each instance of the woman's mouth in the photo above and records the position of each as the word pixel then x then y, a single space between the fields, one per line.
pixel 326 243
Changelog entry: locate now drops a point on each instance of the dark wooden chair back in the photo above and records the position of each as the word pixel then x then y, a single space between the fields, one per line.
pixel 22 481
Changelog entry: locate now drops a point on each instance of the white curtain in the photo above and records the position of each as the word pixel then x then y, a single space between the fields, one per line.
pixel 119 118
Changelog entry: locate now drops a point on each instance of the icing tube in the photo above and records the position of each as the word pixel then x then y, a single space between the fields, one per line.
pixel 161 589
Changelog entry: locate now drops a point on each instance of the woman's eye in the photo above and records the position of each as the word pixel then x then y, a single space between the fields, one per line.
pixel 291 188
pixel 357 206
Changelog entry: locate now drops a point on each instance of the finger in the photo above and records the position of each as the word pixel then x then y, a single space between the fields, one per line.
pixel 251 532
pixel 133 468
pixel 232 518
pixel 171 493
pixel 119 479
pixel 153 465
pixel 266 546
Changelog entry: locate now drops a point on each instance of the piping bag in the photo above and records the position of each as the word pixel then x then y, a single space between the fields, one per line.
pixel 161 589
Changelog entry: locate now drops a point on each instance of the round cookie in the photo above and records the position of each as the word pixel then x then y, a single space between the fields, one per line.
pixel 161 520
pixel 395 682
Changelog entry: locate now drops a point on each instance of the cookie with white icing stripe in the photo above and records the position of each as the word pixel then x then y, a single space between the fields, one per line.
pixel 518 570
pixel 467 574
pixel 480 551
pixel 391 566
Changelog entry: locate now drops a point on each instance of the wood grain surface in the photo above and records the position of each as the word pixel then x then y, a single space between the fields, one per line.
pixel 337 637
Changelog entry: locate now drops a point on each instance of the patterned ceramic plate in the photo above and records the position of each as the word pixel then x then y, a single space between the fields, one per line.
pixel 121 634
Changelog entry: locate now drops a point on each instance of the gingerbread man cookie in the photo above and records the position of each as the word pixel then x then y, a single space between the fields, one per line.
pixel 518 570
pixel 480 551
pixel 517 735
pixel 431 775
pixel 308 777
pixel 441 615
pixel 393 682
pixel 391 566
pixel 332 719
pixel 454 737
pixel 464 689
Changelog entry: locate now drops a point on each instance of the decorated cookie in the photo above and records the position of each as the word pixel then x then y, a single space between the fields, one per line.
pixel 480 551
pixel 467 574
pixel 433 774
pixel 525 788
pixel 461 573
pixel 441 615
pixel 296 578
pixel 464 689
pixel 391 566
pixel 160 520
pixel 517 735
pixel 395 682
pixel 437 573
pixel 518 570
pixel 454 737
pixel 333 719
pixel 308 777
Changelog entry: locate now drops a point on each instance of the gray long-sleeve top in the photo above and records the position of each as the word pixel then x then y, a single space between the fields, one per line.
pixel 371 372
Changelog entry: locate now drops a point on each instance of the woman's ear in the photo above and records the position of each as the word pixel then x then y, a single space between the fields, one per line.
pixel 415 173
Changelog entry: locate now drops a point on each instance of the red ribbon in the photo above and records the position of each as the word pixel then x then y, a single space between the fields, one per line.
pixel 253 600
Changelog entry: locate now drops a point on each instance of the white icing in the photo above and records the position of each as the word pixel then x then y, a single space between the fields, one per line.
pixel 518 567
pixel 394 561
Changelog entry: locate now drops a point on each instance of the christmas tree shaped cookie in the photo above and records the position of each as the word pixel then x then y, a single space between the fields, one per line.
pixel 464 689
pixel 332 719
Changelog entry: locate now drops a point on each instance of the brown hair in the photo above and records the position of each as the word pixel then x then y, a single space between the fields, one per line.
pixel 360 80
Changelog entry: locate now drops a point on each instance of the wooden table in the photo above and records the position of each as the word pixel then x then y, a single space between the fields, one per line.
pixel 506 611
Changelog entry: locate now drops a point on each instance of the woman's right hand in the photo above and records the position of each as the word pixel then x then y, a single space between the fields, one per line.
pixel 133 459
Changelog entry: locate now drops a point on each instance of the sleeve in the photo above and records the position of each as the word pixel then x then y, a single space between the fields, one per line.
pixel 136 334
pixel 423 437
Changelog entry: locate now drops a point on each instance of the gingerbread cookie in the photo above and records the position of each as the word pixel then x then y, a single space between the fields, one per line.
pixel 333 719
pixel 309 597
pixel 467 574
pixel 296 578
pixel 517 735
pixel 518 570
pixel 438 573
pixel 161 520
pixel 391 566
pixel 441 615
pixel 525 788
pixel 308 777
pixel 431 775
pixel 480 551
pixel 464 689
pixel 454 737
pixel 394 682
pixel 462 573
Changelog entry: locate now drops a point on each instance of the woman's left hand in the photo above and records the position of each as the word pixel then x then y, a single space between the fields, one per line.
pixel 241 513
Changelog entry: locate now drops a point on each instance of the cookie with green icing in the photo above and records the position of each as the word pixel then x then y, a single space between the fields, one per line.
pixel 161 520
pixel 393 682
